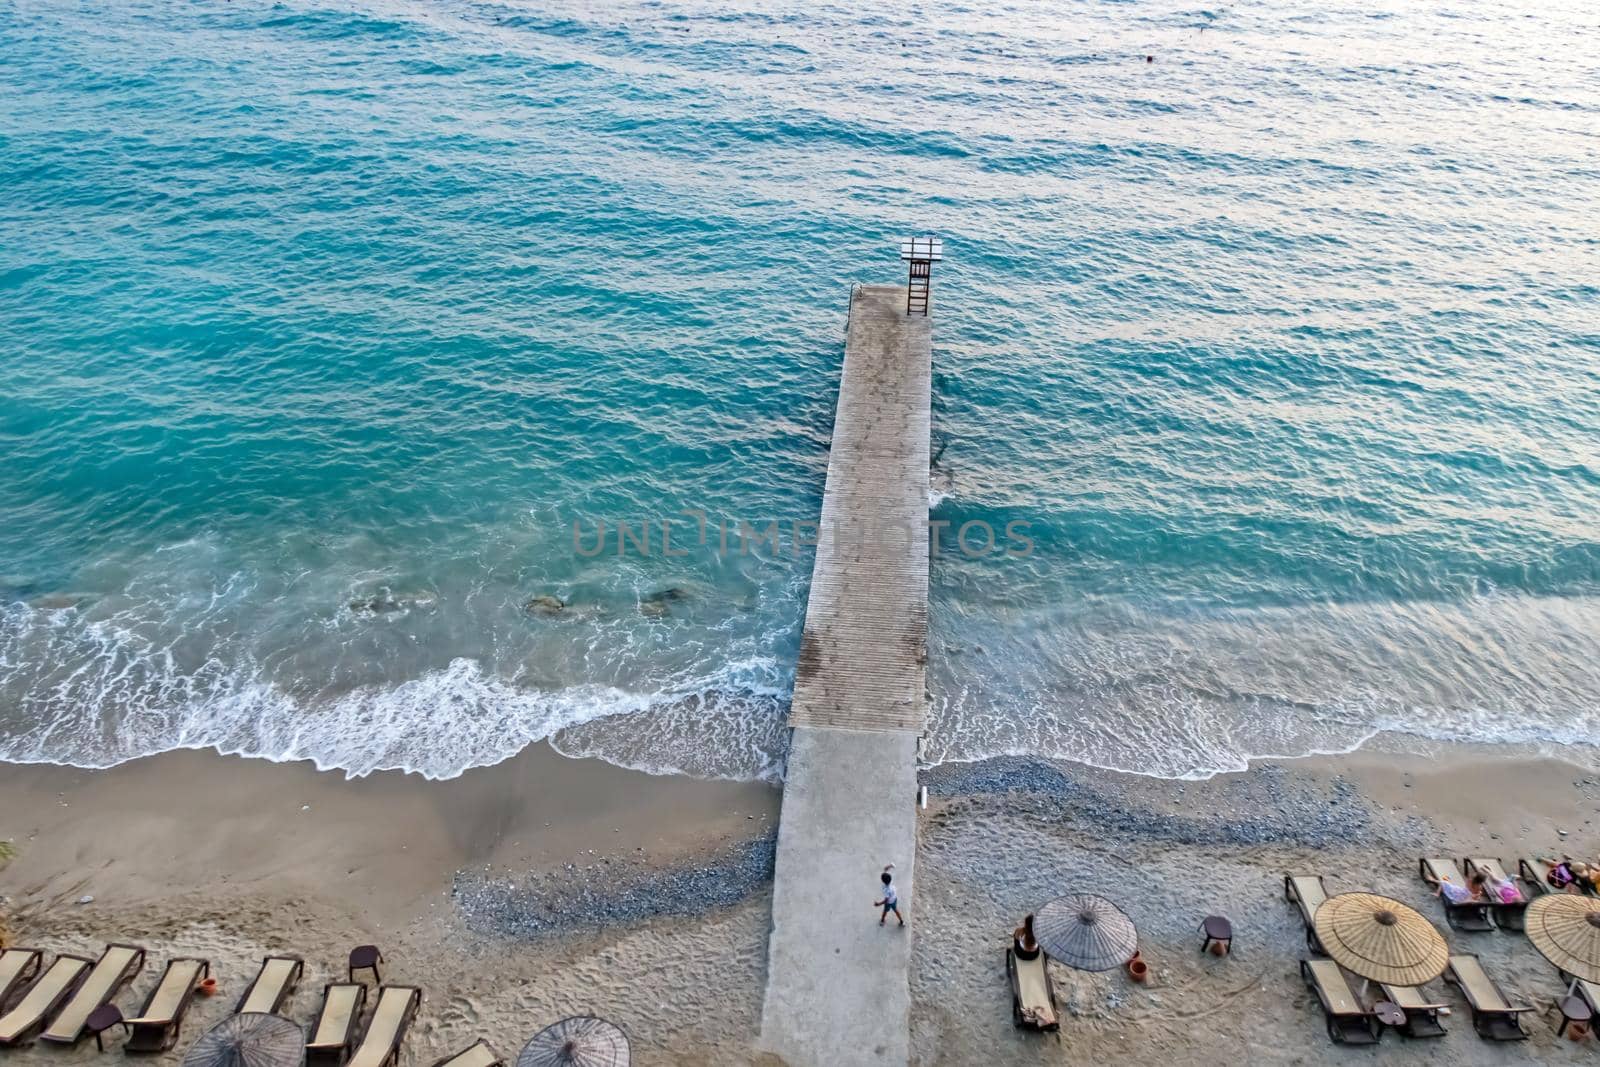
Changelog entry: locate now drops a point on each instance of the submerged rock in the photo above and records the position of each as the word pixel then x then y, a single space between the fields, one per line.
pixel 658 604
pixel 545 604
pixel 389 603
pixel 59 602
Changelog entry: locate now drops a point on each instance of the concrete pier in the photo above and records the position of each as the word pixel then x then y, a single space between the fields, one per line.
pixel 837 985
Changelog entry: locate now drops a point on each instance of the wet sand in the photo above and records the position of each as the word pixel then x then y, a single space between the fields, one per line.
pixel 187 822
pixel 647 899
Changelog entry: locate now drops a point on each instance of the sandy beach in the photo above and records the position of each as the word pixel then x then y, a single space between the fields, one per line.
pixel 230 859
pixel 546 886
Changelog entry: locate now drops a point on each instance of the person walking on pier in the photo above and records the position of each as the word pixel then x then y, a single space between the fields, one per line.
pixel 891 899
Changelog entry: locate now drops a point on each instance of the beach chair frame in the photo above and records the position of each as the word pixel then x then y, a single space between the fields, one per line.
pixel 1472 917
pixel 1506 916
pixel 1358 1027
pixel 28 1033
pixel 495 1059
pixel 1492 1023
pixel 1308 915
pixel 24 976
pixel 1540 884
pixel 1017 1018
pixel 295 974
pixel 1422 1014
pixel 336 1052
pixel 391 1056
pixel 130 970
pixel 159 1035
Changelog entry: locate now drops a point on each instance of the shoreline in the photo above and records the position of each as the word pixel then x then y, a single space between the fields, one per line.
pixel 1385 744
pixel 647 899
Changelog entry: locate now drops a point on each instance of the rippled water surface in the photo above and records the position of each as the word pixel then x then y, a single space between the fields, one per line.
pixel 322 323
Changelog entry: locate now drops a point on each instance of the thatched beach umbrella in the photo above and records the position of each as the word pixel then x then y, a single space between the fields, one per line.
pixel 1381 940
pixel 250 1039
pixel 581 1041
pixel 1086 931
pixel 1566 931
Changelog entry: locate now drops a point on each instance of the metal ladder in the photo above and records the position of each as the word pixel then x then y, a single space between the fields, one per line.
pixel 917 287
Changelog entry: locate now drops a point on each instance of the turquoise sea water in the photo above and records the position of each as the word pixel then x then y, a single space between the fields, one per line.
pixel 322 322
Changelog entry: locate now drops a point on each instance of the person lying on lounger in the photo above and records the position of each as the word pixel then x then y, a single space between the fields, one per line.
pixel 1568 875
pixel 1584 874
pixel 1559 874
pixel 1026 947
pixel 1456 893
pixel 1505 891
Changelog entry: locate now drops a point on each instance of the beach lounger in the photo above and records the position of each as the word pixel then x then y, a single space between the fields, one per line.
pixel 115 968
pixel 1493 1016
pixel 1422 1012
pixel 1506 916
pixel 272 985
pixel 1536 875
pixel 1349 1021
pixel 1033 997
pixel 18 1026
pixel 380 1045
pixel 477 1055
pixel 18 967
pixel 155 1028
pixel 336 1023
pixel 1471 917
pixel 1308 892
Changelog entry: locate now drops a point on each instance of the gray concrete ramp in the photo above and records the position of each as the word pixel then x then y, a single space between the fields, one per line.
pixel 837 987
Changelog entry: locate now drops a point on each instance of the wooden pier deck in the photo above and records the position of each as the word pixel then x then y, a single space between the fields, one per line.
pixel 837 984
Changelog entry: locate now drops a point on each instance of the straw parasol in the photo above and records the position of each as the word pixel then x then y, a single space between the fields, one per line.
pixel 1086 931
pixel 1566 931
pixel 580 1041
pixel 251 1039
pixel 1381 940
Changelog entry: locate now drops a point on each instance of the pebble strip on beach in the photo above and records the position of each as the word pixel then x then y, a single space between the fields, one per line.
pixel 612 890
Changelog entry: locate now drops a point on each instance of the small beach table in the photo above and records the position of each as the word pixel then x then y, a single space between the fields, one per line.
pixel 1389 1014
pixel 102 1019
pixel 1574 1012
pixel 1216 928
